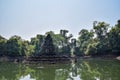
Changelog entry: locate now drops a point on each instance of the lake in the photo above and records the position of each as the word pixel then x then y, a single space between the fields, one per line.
pixel 82 70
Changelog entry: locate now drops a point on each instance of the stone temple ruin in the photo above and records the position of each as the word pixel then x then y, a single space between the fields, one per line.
pixel 48 48
pixel 48 53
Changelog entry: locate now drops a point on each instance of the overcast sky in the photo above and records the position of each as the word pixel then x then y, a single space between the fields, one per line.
pixel 27 18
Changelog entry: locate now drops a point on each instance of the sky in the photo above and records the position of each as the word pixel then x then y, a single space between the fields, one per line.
pixel 27 18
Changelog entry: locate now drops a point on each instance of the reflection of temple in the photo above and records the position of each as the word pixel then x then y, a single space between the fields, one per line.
pixel 51 72
pixel 44 74
pixel 83 70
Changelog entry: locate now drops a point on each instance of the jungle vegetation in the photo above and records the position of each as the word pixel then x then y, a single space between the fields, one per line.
pixel 102 39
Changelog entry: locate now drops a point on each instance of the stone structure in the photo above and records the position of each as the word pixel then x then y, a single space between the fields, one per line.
pixel 47 54
pixel 48 47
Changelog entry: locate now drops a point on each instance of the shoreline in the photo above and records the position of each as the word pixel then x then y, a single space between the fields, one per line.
pixel 56 59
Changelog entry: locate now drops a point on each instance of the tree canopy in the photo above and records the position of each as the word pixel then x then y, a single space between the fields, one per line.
pixel 100 40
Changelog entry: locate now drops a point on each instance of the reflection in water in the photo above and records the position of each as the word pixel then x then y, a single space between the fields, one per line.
pixel 27 77
pixel 82 70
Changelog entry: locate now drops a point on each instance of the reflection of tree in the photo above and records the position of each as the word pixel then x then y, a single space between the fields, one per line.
pixel 24 71
pixel 74 69
pixel 101 70
pixel 8 71
pixel 83 70
pixel 44 74
pixel 53 72
pixel 73 73
pixel 109 70
pixel 61 74
pixel 87 72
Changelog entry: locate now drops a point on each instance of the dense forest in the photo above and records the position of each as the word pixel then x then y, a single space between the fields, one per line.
pixel 102 39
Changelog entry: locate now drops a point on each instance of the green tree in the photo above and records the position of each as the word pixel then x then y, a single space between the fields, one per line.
pixel 27 49
pixel 14 46
pixel 101 45
pixel 114 39
pixel 36 44
pixel 84 38
pixel 91 49
pixel 61 41
pixel 66 44
pixel 2 45
pixel 100 29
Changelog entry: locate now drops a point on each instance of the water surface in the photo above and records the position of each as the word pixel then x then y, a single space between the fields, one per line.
pixel 82 70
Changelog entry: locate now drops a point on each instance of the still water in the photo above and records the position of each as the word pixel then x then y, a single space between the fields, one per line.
pixel 82 70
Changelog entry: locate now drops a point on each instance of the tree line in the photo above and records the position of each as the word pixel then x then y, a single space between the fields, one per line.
pixel 102 39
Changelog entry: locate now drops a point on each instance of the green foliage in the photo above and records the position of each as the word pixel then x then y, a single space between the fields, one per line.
pixel 27 49
pixel 91 49
pixel 14 46
pixel 114 38
pixel 2 45
pixel 100 29
pixel 84 37
pixel 37 43
pixel 100 44
pixel 101 40
pixel 61 42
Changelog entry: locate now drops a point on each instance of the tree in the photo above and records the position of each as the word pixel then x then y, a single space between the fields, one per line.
pixel 64 34
pixel 14 46
pixel 58 41
pixel 61 42
pixel 36 44
pixel 27 49
pixel 2 45
pixel 100 29
pixel 101 35
pixel 114 37
pixel 66 44
pixel 91 49
pixel 83 40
